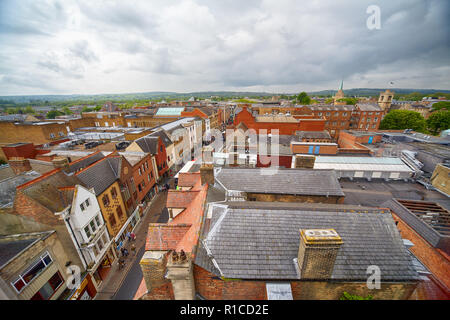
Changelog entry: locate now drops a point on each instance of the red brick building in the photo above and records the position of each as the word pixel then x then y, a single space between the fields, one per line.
pixel 287 125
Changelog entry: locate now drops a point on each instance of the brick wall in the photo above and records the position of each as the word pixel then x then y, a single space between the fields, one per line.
pixel 212 288
pixel 293 198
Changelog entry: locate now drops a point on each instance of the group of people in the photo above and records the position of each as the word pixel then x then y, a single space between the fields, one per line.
pixel 131 238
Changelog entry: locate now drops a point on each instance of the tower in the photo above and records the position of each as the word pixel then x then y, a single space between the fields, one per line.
pixel 385 99
pixel 340 95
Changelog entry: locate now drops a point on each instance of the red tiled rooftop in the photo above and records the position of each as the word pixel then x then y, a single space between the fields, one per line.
pixel 180 199
pixel 163 237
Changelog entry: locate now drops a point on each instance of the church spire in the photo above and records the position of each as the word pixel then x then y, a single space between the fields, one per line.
pixel 342 85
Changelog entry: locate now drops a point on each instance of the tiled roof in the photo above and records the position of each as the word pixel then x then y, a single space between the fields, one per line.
pixel 9 249
pixel 101 174
pixel 283 181
pixel 148 144
pixel 85 161
pixel 164 137
pixel 47 191
pixel 180 199
pixel 260 241
pixel 163 237
pixel 368 107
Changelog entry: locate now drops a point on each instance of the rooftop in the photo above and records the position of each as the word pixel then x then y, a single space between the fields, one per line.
pixel 254 240
pixel 280 181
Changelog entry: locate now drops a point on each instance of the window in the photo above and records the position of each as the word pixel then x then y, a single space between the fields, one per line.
pixel 113 193
pixel 26 277
pixel 375 119
pixel 82 207
pixel 368 119
pixel 320 114
pixel 344 114
pixel 139 187
pixel 328 114
pixel 87 202
pixel 87 231
pixel 343 124
pixel 52 135
pixel 49 288
pixel 143 168
pixel 97 220
pixel 119 212
pixel 140 172
pixel 100 244
pixel 61 134
pixel 93 227
pixel 160 149
pixel 112 221
pixel 148 176
pixel 146 164
pixel 105 200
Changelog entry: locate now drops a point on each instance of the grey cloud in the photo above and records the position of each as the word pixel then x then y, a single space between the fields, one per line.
pixel 184 45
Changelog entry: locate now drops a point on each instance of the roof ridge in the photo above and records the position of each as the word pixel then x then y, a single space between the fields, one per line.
pixel 91 165
pixel 84 158
pixel 42 177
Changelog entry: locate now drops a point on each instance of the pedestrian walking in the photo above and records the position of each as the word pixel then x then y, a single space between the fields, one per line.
pixel 129 235
pixel 125 252
pixel 133 249
pixel 133 236
pixel 121 264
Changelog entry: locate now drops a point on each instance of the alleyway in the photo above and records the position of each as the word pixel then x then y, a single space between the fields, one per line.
pixel 122 284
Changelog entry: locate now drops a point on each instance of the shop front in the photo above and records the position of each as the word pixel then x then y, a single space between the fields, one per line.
pixel 103 267
pixel 86 291
pixel 129 226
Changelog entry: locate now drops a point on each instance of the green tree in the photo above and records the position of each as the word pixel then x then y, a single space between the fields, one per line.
pixel 66 110
pixel 438 121
pixel 29 110
pixel 303 98
pixel 441 105
pixel 53 114
pixel 11 111
pixel 404 119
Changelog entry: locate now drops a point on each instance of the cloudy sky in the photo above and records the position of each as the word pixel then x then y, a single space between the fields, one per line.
pixel 86 47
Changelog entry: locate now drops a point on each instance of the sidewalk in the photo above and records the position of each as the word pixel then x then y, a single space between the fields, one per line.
pixel 115 278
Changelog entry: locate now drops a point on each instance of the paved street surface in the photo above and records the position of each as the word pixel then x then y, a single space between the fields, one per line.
pixel 122 284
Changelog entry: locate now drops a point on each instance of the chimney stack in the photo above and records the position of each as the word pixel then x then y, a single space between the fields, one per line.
pixel 207 173
pixel 60 162
pixel 304 161
pixel 207 154
pixel 19 165
pixel 317 253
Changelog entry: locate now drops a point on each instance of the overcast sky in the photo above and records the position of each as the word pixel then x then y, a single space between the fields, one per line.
pixel 86 47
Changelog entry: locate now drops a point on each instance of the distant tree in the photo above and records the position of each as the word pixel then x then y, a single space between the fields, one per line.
pixel 11 110
pixel 303 98
pixel 52 114
pixel 329 100
pixel 29 110
pixel 97 108
pixel 66 110
pixel 438 121
pixel 441 105
pixel 349 101
pixel 403 119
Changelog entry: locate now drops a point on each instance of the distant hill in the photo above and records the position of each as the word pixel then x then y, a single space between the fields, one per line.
pixel 49 99
pixel 375 92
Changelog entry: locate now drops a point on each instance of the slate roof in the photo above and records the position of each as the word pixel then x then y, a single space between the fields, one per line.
pixel 8 187
pixel 148 144
pixel 101 175
pixel 164 137
pixel 313 134
pixel 85 162
pixel 6 172
pixel 9 249
pixel 255 240
pixel 368 107
pixel 46 190
pixel 284 181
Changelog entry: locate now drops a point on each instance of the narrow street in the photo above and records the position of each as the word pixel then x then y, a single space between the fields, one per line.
pixel 122 284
